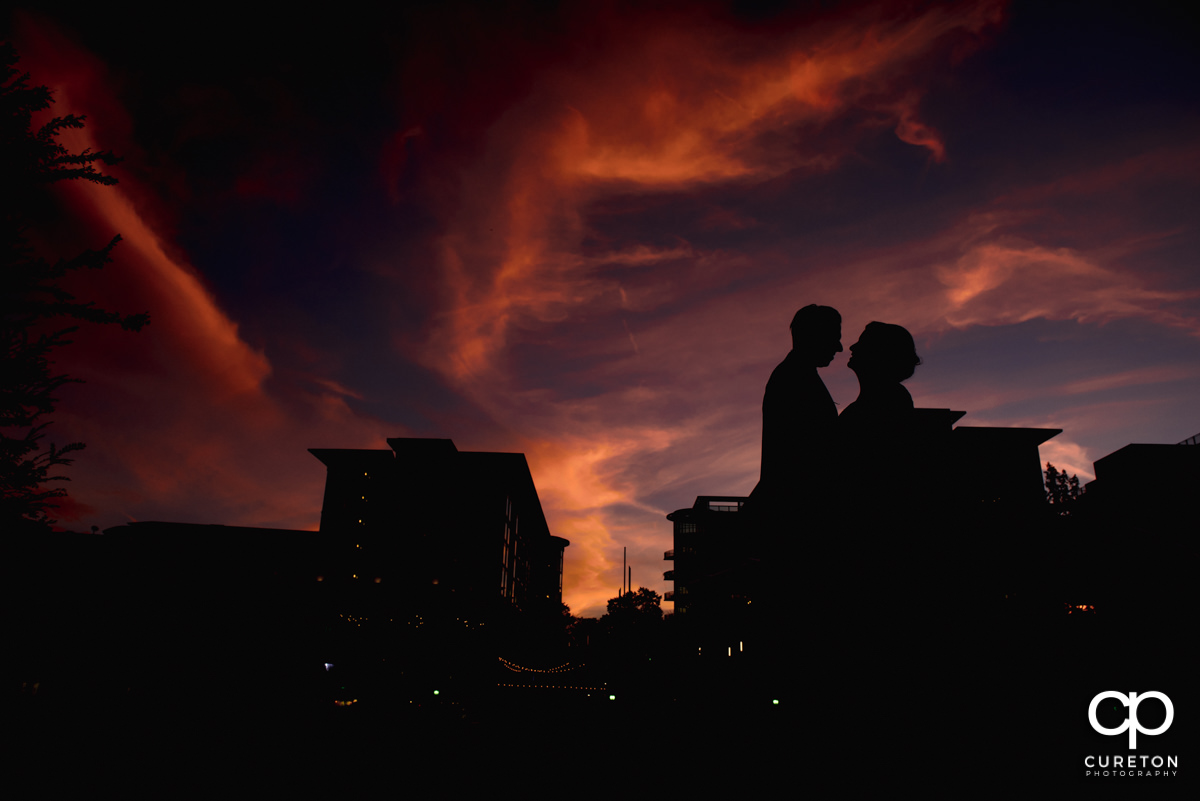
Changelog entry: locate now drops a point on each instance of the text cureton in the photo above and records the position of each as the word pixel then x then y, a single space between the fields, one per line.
pixel 1130 761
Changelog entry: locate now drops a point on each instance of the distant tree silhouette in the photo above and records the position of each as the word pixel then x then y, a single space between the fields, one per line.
pixel 1061 491
pixel 582 631
pixel 32 302
pixel 639 607
pixel 633 622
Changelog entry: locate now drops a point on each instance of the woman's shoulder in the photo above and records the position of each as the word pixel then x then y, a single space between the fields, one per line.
pixel 900 398
pixel 881 412
pixel 883 400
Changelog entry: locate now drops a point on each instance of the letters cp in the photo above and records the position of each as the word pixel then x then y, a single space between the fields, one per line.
pixel 1131 701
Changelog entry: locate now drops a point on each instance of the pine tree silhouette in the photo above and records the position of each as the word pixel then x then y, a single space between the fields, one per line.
pixel 31 294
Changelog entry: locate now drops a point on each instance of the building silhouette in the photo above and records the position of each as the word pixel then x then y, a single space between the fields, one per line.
pixel 460 535
pixel 984 556
pixel 979 512
pixel 429 564
pixel 714 574
pixel 1128 548
pixel 468 523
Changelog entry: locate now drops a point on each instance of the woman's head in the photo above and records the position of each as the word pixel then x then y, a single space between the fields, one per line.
pixel 885 352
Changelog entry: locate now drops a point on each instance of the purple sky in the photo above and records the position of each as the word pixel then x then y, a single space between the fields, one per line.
pixel 581 232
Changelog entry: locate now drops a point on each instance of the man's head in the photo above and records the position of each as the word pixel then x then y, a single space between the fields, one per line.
pixel 817 334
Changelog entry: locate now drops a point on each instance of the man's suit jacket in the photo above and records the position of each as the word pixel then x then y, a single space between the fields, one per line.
pixel 799 424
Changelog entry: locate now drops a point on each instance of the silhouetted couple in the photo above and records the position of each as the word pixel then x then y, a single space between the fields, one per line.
pixel 823 473
pixel 842 531
pixel 804 439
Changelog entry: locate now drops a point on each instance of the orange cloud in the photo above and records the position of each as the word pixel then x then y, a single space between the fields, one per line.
pixel 912 130
pixel 1067 456
pixel 182 416
pixel 687 105
pixel 183 308
pixel 665 108
pixel 988 269
pixel 1004 281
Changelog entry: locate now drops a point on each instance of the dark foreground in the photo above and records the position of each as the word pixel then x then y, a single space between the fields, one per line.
pixel 1019 727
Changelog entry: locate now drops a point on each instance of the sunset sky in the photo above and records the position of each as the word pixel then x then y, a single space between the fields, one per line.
pixel 580 230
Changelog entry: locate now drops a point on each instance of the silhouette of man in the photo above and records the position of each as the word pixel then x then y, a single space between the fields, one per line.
pixel 799 416
pixel 795 497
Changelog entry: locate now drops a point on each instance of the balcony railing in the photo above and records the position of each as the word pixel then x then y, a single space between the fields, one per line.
pixel 669 595
pixel 669 555
pixel 669 575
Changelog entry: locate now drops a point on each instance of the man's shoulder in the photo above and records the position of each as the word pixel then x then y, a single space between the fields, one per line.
pixel 793 382
pixel 790 371
pixel 793 373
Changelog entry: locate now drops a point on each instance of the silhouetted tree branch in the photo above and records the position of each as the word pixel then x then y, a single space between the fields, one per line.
pixel 32 299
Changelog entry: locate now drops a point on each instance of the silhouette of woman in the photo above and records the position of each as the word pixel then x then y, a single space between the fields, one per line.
pixel 904 591
pixel 876 564
pixel 895 563
pixel 877 431
pixel 879 451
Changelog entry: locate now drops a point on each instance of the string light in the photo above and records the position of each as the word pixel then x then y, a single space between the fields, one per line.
pixel 552 687
pixel 563 668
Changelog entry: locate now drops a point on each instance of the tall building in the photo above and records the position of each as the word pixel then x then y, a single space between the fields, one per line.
pixel 427 515
pixel 706 535
pixel 714 579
